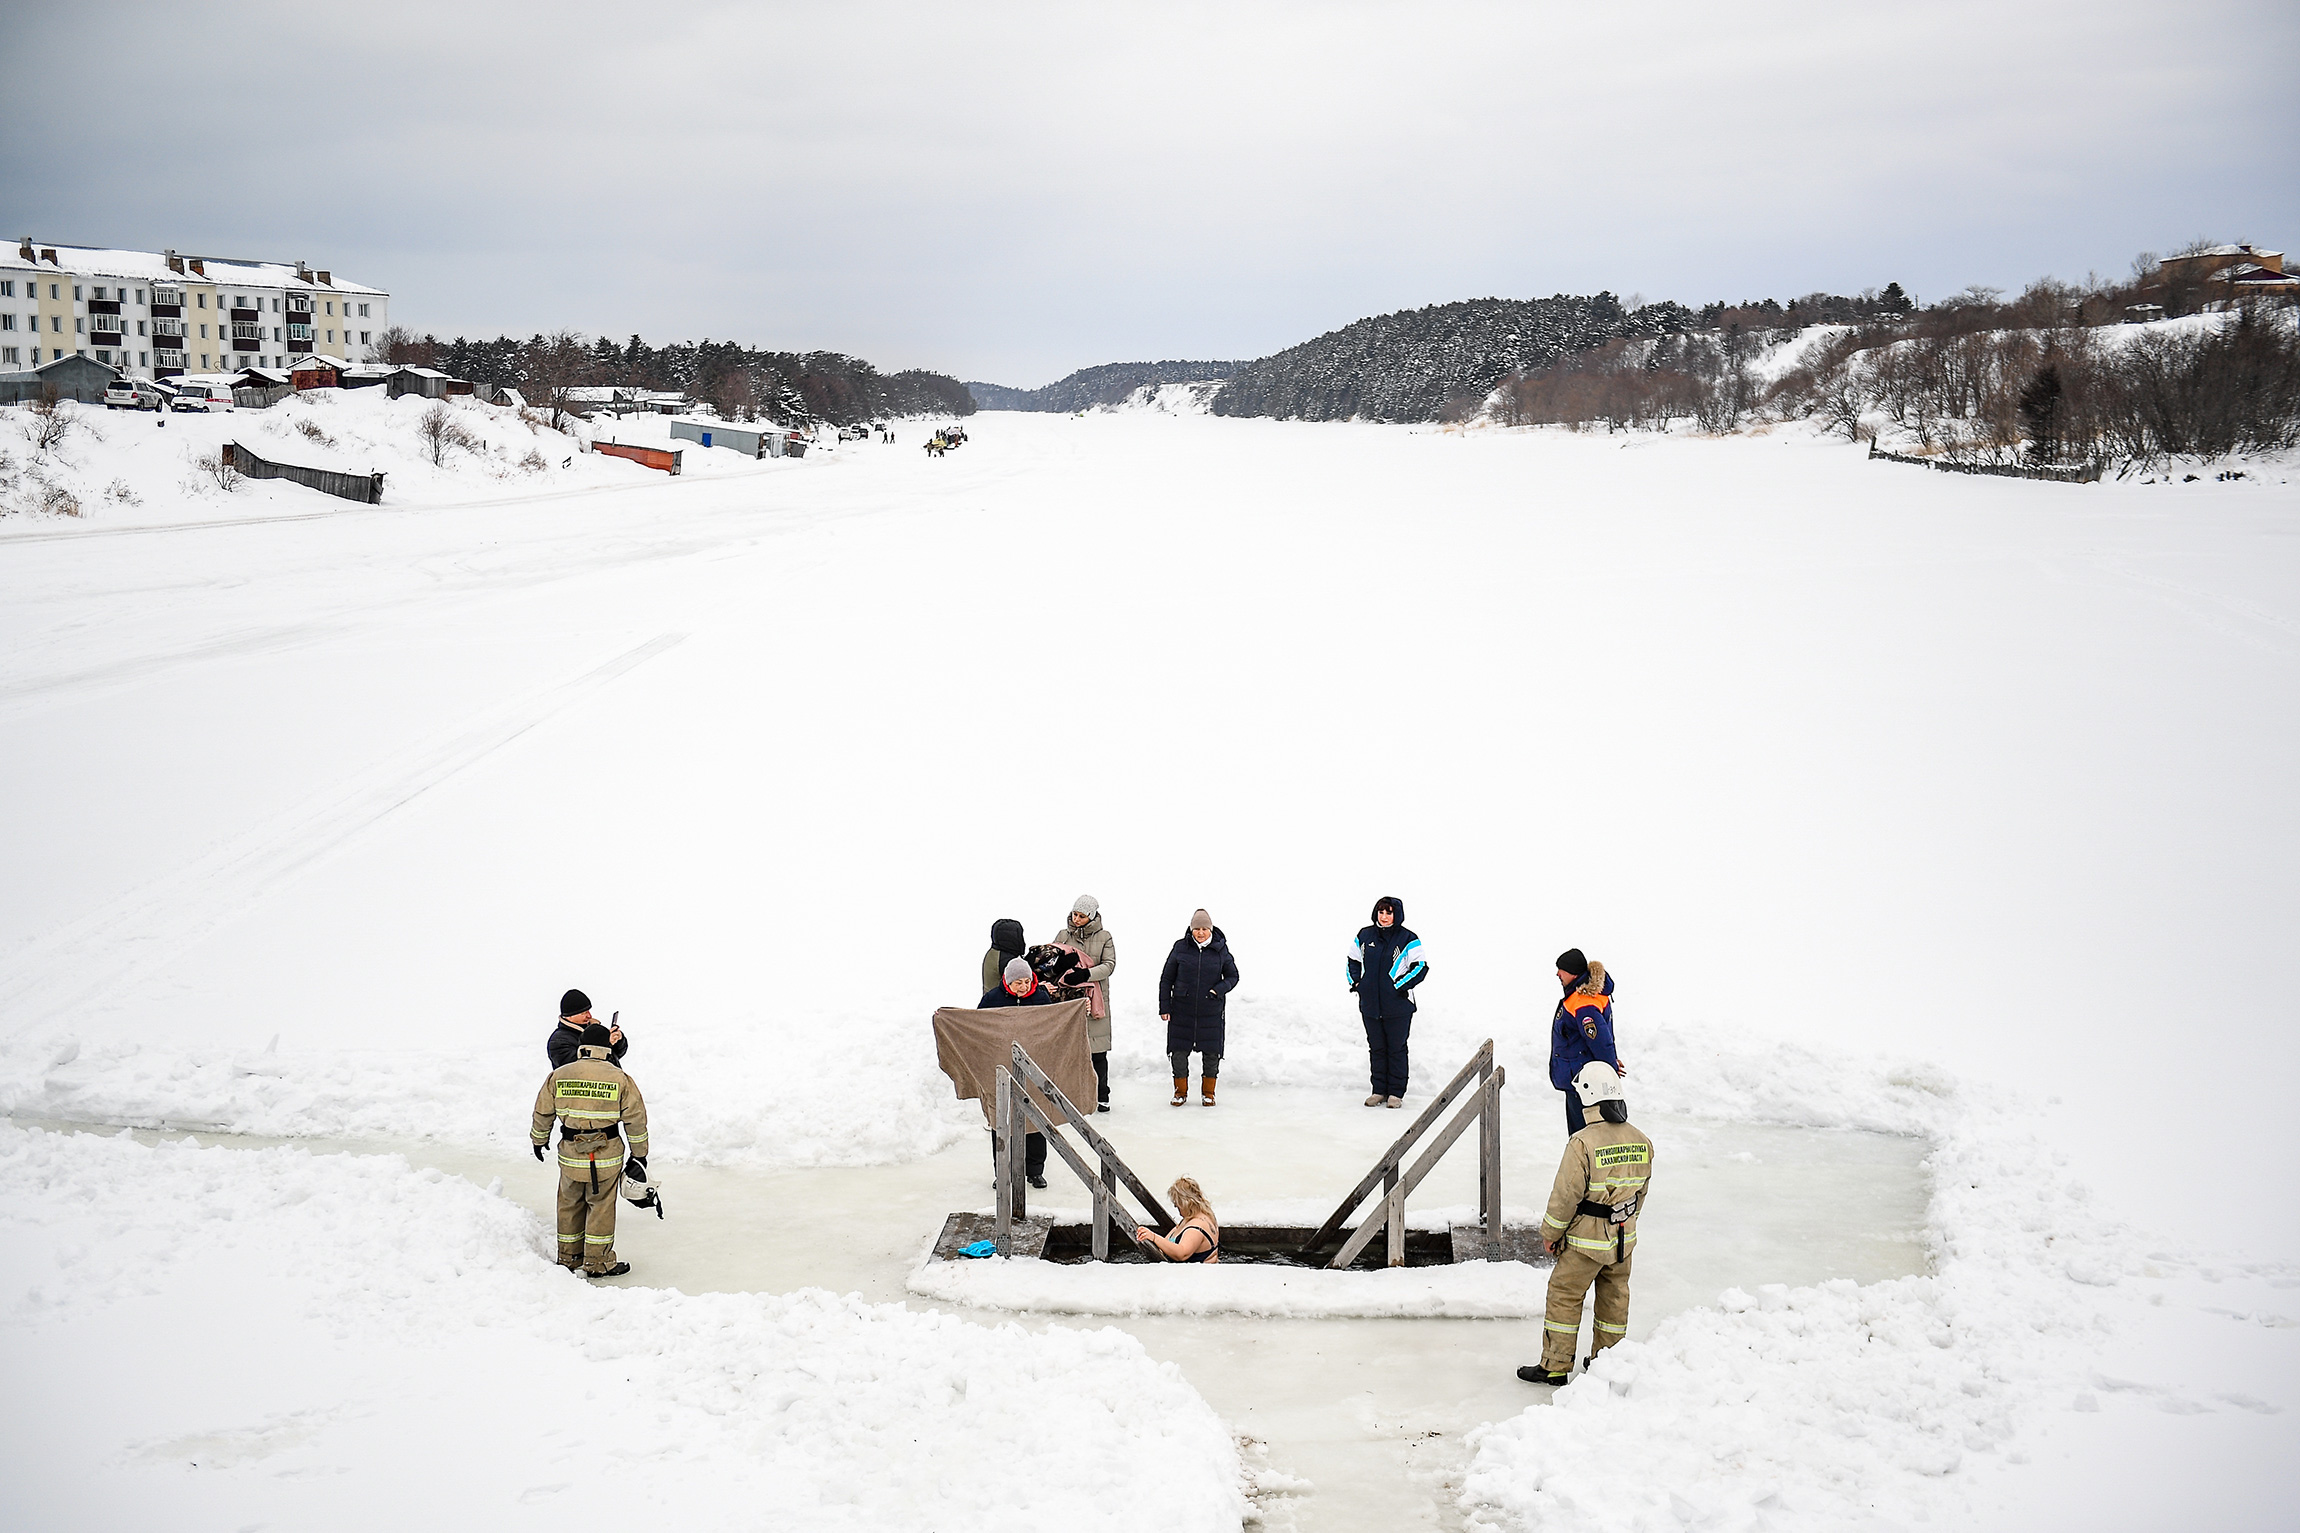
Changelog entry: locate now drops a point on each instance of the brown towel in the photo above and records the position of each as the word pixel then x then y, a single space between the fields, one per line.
pixel 972 1046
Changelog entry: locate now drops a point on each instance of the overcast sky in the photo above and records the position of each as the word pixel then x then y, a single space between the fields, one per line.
pixel 1008 192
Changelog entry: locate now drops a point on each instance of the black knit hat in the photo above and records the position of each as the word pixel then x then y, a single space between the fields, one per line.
pixel 596 1035
pixel 1573 963
pixel 574 1003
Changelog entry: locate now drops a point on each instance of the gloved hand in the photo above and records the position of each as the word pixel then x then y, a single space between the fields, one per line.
pixel 636 1168
pixel 539 1152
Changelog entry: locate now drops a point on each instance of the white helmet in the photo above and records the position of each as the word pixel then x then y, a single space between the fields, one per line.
pixel 1595 1082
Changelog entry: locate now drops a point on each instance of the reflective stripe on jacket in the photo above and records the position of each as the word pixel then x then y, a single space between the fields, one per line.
pixel 1607 1163
pixel 591 1095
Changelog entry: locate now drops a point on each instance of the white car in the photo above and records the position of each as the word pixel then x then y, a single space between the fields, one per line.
pixel 205 397
pixel 135 394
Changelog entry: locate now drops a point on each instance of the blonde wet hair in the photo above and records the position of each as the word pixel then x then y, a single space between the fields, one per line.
pixel 1189 1198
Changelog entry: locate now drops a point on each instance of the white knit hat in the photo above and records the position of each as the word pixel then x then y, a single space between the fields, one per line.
pixel 1086 905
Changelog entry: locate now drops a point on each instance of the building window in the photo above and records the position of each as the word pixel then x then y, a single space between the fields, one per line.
pixel 331 306
pixel 75 292
pixel 275 307
pixel 139 327
pixel 79 326
pixel 275 331
pixel 9 354
pixel 363 337
pixel 143 359
pixel 54 291
pixel 99 295
pixel 105 357
pixel 331 337
pixel 139 295
pixel 7 287
pixel 203 300
pixel 363 315
pixel 7 321
pixel 56 322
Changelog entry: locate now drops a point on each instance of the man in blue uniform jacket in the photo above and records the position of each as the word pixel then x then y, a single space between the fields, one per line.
pixel 1581 1029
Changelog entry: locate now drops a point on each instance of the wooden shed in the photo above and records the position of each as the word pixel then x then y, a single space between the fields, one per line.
pixel 756 441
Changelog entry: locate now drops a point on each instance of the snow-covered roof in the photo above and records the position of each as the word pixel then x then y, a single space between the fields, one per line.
pixel 2228 250
pixel 316 361
pixel 152 266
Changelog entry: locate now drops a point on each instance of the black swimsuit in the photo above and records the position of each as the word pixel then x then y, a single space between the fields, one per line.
pixel 1211 1250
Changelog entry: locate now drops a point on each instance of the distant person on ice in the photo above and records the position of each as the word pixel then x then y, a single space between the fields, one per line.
pixel 1193 992
pixel 567 1037
pixel 1385 964
pixel 1198 1238
pixel 594 1104
pixel 1085 932
pixel 1581 1029
pixel 1019 987
pixel 1591 1226
pixel 1006 945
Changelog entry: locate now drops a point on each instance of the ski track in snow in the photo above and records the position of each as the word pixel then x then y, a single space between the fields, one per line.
pixel 70 971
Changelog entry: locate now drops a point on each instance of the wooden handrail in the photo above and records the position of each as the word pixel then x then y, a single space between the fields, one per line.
pixel 1392 1215
pixel 1480 1063
pixel 1027 1067
pixel 1108 1214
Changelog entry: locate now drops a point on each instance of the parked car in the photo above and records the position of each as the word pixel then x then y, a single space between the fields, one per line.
pixel 136 394
pixel 204 397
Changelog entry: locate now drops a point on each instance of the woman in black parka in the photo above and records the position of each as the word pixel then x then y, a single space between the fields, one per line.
pixel 1198 979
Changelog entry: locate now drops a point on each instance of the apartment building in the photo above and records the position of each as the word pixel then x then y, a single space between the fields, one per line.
pixel 154 315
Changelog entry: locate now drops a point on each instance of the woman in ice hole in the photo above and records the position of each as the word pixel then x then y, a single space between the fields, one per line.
pixel 1198 1238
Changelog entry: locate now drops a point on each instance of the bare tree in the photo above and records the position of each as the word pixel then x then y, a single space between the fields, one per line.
pixel 50 422
pixel 554 366
pixel 403 346
pixel 438 433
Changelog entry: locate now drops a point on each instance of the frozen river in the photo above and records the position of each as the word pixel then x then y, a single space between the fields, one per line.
pixel 1358 1424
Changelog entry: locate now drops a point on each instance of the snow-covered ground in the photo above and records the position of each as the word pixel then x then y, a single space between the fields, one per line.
pixel 1897 801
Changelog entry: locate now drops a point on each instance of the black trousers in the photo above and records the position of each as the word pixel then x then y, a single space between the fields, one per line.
pixel 1180 1060
pixel 1033 1155
pixel 1574 1119
pixel 1386 1054
pixel 1102 1077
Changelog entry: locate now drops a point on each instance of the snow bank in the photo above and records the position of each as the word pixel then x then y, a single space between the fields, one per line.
pixel 1469 1291
pixel 226 1336
pixel 131 468
pixel 1815 1407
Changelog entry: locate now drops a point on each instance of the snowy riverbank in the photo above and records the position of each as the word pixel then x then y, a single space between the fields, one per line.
pixel 1875 788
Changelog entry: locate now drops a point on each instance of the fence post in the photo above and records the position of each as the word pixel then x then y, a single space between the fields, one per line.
pixel 1017 1147
pixel 1394 1206
pixel 1489 1157
pixel 1102 1215
pixel 998 1131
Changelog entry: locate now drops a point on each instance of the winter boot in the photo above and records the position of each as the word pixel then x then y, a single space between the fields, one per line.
pixel 1206 1092
pixel 1375 1101
pixel 615 1271
pixel 1397 1101
pixel 1535 1373
pixel 1181 1090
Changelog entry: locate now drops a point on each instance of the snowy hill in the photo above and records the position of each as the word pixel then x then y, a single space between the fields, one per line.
pixel 1112 383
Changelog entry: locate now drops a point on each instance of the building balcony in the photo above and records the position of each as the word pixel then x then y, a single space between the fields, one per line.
pixel 172 297
pixel 103 306
pixel 299 333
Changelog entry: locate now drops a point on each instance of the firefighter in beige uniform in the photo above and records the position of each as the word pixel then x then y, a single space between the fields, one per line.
pixel 592 1099
pixel 1591 1224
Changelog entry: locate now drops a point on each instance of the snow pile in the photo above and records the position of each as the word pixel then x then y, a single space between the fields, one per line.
pixel 224 1336
pixel 1813 1407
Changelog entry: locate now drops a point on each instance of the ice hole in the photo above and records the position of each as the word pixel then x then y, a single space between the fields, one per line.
pixel 1370 1412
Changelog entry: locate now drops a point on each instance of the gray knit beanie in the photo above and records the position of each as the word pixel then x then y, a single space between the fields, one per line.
pixel 1086 905
pixel 1199 918
pixel 1016 971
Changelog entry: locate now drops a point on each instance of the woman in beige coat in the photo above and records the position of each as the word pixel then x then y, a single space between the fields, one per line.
pixel 1084 932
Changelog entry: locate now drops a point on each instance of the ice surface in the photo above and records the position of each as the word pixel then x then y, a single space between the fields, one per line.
pixel 1370 1415
pixel 1956 810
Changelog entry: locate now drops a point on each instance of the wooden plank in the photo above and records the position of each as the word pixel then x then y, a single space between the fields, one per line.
pixel 1000 1169
pixel 1472 1109
pixel 1480 1061
pixel 1159 1219
pixel 1394 1216
pixel 1027 1238
pixel 1101 1241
